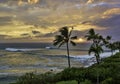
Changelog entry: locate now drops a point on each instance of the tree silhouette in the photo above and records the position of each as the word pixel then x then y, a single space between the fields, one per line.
pixel 117 45
pixel 65 37
pixel 112 47
pixel 96 46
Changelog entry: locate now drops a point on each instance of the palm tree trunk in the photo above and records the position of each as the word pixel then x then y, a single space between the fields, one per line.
pixel 78 82
pixel 98 62
pixel 112 52
pixel 97 59
pixel 98 77
pixel 68 54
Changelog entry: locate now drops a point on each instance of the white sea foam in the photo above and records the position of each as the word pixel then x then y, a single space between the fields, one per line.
pixel 16 49
pixel 89 60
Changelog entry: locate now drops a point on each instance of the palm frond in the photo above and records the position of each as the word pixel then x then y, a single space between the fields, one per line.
pixel 88 37
pixel 73 43
pixel 58 39
pixel 92 49
pixel 70 32
pixel 99 49
pixel 108 38
pixel 95 49
pixel 74 38
pixel 60 44
pixel 56 43
pixel 91 32
pixel 64 31
pixel 100 37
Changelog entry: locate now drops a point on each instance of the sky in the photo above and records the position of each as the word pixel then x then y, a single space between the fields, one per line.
pixel 40 20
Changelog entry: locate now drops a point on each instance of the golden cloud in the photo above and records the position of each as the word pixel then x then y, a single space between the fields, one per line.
pixel 111 12
pixel 84 27
pixel 33 1
pixel 90 1
pixel 20 2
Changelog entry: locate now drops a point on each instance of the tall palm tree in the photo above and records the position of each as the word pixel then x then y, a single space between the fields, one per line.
pixel 65 37
pixel 96 46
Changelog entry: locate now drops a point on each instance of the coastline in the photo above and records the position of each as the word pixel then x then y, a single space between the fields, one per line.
pixel 16 63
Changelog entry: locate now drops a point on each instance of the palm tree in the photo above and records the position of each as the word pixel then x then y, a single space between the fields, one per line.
pixel 97 42
pixel 117 45
pixel 106 41
pixel 96 46
pixel 65 37
pixel 112 47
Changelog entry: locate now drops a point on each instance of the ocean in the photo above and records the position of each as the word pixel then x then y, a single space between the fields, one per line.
pixel 15 56
pixel 20 58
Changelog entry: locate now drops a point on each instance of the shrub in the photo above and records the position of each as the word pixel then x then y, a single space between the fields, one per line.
pixel 107 81
pixel 86 82
pixel 31 78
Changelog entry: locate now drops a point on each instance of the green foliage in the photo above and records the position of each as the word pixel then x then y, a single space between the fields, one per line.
pixel 67 82
pixel 107 81
pixel 31 78
pixel 117 45
pixel 86 82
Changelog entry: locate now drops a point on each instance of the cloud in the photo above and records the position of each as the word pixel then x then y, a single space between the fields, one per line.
pixel 90 1
pixel 111 12
pixel 5 20
pixel 33 1
pixel 19 18
pixel 21 2
pixel 111 22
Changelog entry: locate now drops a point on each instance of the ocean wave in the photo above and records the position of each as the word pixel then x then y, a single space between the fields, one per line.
pixel 16 49
pixel 89 60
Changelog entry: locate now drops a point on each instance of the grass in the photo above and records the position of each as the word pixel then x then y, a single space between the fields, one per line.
pixel 67 82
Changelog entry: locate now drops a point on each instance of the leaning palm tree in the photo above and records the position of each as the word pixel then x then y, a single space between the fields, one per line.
pixel 96 46
pixel 97 42
pixel 65 37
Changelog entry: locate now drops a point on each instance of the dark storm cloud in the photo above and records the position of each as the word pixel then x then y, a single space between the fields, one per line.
pixel 112 22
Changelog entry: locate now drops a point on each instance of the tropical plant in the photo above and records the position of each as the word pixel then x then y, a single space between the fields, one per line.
pixel 117 45
pixel 65 37
pixel 96 46
pixel 111 46
pixel 97 43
